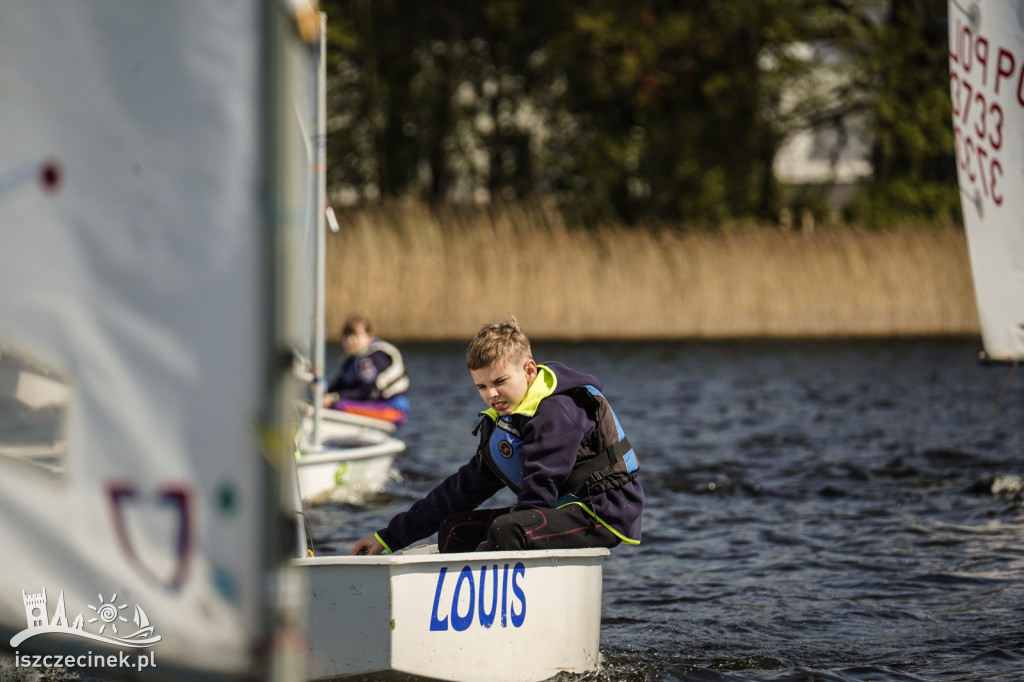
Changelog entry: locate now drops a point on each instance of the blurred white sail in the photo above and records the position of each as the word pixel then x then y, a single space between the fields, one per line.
pixel 150 256
pixel 986 64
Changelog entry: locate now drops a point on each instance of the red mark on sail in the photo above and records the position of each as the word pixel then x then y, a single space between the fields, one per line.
pixel 50 175
pixel 137 516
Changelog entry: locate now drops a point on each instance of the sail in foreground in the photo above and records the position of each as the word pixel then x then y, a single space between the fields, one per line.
pixel 986 64
pixel 146 216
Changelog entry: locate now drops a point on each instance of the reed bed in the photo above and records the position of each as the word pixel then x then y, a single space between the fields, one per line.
pixel 432 275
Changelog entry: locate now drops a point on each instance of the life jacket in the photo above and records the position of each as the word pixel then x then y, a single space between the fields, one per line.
pixel 605 460
pixel 393 379
pixel 390 381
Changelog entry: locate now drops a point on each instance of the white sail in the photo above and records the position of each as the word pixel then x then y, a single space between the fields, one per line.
pixel 149 243
pixel 986 63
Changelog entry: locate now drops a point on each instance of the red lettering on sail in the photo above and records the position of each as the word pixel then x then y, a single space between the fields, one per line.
pixel 1006 64
pixel 980 105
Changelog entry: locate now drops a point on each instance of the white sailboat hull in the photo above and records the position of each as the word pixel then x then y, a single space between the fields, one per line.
pixel 497 616
pixel 354 458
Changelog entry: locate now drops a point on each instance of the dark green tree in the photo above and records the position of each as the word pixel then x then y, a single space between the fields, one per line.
pixel 907 78
pixel 637 111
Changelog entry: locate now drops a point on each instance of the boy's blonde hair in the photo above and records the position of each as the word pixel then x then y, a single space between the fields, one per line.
pixel 498 341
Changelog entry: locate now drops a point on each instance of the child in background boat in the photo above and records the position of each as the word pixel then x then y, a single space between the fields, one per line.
pixel 371 378
pixel 548 434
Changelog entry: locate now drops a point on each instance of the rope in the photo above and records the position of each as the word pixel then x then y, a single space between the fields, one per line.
pixel 309 535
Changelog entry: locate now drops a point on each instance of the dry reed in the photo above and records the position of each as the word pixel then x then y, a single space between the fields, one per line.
pixel 426 275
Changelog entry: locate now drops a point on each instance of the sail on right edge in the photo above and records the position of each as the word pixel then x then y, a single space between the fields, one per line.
pixel 986 70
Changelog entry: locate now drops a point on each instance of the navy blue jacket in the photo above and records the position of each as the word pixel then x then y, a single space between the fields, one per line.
pixel 377 373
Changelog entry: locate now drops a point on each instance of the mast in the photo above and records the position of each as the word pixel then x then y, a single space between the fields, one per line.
pixel 321 207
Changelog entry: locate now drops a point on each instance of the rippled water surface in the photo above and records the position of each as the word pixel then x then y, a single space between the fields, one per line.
pixel 842 510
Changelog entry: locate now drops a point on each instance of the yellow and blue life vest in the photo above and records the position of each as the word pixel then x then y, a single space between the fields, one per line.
pixel 605 460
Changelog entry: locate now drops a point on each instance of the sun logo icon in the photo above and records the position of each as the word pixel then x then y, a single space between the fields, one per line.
pixel 108 614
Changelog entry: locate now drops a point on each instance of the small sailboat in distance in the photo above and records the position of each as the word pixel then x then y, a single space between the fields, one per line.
pixel 339 456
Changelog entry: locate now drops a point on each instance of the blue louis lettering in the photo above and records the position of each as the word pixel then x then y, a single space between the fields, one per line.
pixel 517 618
pixel 487 619
pixel 435 623
pixel 487 610
pixel 504 598
pixel 460 623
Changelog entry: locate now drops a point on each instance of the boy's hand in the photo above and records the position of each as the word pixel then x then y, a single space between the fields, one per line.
pixel 368 545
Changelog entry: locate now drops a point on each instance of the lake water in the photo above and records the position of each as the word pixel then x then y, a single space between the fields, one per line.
pixel 834 510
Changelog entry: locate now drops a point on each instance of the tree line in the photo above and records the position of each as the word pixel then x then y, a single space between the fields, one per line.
pixel 640 111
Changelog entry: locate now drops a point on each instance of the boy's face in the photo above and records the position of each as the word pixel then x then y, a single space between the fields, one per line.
pixel 503 383
pixel 357 341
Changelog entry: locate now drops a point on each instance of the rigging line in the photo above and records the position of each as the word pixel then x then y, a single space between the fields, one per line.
pixel 974 198
pixel 1006 384
pixel 310 550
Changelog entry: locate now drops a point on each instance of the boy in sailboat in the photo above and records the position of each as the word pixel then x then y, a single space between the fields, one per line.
pixel 549 434
pixel 370 379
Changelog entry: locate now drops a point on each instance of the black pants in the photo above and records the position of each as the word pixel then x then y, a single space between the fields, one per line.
pixel 566 528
